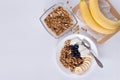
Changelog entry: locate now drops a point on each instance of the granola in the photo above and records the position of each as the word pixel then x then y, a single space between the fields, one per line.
pixel 59 20
pixel 67 60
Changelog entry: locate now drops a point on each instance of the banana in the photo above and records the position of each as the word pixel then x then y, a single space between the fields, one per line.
pixel 78 70
pixel 84 10
pixel 100 18
pixel 84 66
pixel 87 63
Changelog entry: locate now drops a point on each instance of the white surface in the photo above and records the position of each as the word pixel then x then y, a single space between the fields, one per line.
pixel 26 49
pixel 75 38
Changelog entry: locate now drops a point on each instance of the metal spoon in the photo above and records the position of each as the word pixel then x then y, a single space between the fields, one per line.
pixel 88 46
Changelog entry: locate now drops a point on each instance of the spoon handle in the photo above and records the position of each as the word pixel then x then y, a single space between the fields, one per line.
pixel 96 59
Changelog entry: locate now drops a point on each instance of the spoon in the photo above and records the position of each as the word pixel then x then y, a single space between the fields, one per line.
pixel 88 46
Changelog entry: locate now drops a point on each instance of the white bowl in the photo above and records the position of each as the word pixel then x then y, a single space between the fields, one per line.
pixel 66 71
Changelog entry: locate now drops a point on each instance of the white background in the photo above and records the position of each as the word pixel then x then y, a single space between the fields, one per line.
pixel 27 50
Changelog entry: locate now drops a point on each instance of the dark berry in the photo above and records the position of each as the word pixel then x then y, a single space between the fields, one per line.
pixel 76 46
pixel 77 55
pixel 76 51
pixel 71 47
pixel 72 54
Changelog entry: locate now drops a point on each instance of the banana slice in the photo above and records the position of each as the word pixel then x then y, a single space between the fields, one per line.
pixel 88 62
pixel 78 70
pixel 88 59
pixel 85 66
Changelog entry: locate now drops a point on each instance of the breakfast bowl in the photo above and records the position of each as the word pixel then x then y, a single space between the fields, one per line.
pixel 78 64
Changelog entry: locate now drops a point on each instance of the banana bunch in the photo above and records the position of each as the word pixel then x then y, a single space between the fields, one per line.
pixel 87 61
pixel 95 19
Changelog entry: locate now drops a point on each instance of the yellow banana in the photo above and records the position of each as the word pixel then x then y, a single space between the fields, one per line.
pixel 84 10
pixel 100 18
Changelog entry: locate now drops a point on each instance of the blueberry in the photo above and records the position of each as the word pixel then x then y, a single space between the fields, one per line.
pixel 76 51
pixel 71 47
pixel 76 46
pixel 77 55
pixel 72 54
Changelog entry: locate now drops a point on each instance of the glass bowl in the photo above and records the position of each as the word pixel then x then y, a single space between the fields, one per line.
pixel 49 11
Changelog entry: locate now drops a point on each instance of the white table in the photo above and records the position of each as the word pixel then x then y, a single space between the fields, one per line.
pixel 26 49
